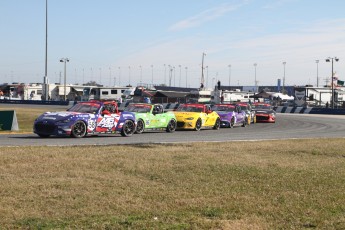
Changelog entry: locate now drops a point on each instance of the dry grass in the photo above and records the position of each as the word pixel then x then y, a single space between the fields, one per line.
pixel 289 184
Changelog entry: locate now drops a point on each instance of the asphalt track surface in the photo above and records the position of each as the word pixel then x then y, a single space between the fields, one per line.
pixel 288 126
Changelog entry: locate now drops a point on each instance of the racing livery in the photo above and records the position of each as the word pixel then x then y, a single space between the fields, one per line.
pixel 93 117
pixel 152 116
pixel 247 108
pixel 230 115
pixel 264 112
pixel 196 117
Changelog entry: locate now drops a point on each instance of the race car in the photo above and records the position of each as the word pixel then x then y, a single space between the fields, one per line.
pixel 152 116
pixel 230 115
pixel 196 117
pixel 246 107
pixel 93 117
pixel 264 112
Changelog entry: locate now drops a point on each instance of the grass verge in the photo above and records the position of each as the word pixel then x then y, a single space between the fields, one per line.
pixel 292 184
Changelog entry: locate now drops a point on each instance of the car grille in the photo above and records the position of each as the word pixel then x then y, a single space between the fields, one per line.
pixel 261 118
pixel 45 128
pixel 180 124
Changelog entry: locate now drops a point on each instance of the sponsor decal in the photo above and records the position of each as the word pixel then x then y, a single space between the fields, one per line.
pixel 107 122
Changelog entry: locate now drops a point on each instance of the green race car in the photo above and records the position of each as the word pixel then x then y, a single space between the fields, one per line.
pixel 152 116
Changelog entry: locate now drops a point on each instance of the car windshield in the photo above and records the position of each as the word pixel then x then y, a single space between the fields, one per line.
pixel 266 107
pixel 244 107
pixel 139 108
pixel 85 108
pixel 190 109
pixel 223 108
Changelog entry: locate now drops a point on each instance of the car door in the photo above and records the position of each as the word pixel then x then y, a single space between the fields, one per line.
pixel 210 117
pixel 107 122
pixel 240 114
pixel 158 116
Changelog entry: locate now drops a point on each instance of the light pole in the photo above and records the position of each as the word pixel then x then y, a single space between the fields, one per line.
pixel 329 59
pixel 45 78
pixel 229 74
pixel 284 63
pixel 255 83
pixel 317 73
pixel 64 60
pixel 202 69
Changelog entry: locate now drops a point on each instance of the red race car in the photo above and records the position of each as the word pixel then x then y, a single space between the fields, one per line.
pixel 264 112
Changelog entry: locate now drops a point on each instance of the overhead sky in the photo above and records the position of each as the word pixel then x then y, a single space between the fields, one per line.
pixel 121 42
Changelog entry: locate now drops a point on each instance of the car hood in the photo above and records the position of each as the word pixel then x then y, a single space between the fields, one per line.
pixel 59 115
pixel 186 114
pixel 264 111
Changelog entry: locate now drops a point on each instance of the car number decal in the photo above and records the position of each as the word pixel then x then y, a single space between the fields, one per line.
pixel 91 124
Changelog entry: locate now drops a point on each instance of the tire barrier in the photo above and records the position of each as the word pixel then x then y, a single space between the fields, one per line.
pixel 309 110
pixel 8 120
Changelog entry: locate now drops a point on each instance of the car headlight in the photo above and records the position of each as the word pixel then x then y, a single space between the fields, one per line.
pixel 190 118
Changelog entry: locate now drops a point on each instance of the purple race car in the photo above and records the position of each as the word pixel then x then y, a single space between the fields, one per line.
pixel 230 115
pixel 93 117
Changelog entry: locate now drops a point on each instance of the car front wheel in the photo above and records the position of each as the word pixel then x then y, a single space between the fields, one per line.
pixel 78 129
pixel 198 125
pixel 232 123
pixel 128 128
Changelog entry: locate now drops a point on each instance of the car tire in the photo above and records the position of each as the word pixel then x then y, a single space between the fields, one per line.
pixel 128 128
pixel 78 129
pixel 171 126
pixel 217 124
pixel 244 124
pixel 43 135
pixel 198 125
pixel 140 127
pixel 232 123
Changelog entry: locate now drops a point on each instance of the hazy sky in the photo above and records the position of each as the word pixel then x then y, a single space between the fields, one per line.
pixel 113 41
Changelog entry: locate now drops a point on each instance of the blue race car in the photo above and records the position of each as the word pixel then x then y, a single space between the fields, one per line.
pixel 92 117
pixel 230 115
